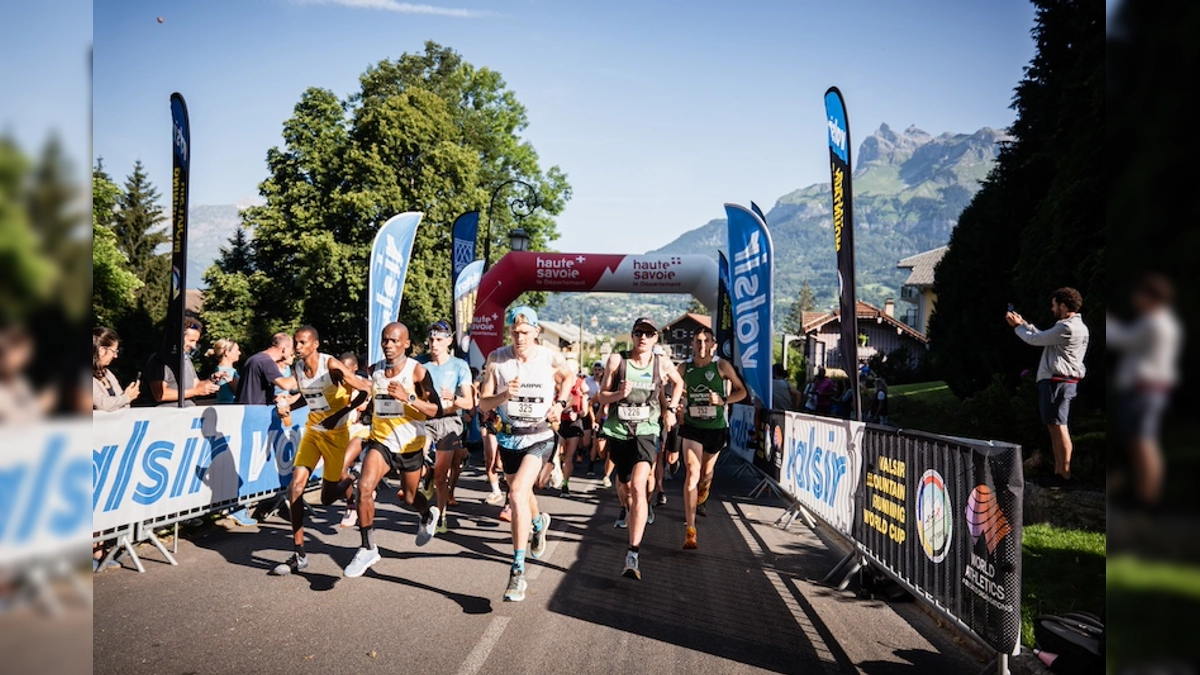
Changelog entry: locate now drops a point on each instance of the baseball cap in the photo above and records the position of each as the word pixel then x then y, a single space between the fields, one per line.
pixel 441 329
pixel 531 317
pixel 598 364
pixel 646 321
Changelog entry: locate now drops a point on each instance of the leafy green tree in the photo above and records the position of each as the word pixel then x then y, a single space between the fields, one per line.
pixel 113 284
pixel 1033 226
pixel 427 132
pixel 26 274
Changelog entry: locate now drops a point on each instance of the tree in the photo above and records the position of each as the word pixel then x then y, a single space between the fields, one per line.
pixel 427 132
pixel 113 284
pixel 52 203
pixel 230 307
pixel 140 229
pixel 26 274
pixel 1032 227
pixel 806 301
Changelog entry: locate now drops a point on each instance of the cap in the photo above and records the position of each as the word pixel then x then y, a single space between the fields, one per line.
pixel 527 312
pixel 598 364
pixel 441 329
pixel 646 321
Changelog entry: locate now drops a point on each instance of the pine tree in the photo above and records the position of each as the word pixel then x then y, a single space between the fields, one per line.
pixel 140 228
pixel 806 301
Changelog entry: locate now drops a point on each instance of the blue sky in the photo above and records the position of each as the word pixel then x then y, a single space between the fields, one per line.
pixel 658 112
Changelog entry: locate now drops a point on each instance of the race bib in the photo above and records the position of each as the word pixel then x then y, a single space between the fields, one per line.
pixel 527 409
pixel 386 406
pixel 702 412
pixel 317 402
pixel 633 413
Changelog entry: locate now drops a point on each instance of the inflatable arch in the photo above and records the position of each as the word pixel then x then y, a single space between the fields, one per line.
pixel 518 272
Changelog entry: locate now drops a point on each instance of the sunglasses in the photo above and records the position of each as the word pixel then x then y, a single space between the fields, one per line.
pixel 644 333
pixel 193 326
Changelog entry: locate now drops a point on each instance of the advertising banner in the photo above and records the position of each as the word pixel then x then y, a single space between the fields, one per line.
pixel 750 282
pixel 44 476
pixel 945 515
pixel 821 466
pixel 741 428
pixel 723 317
pixel 465 290
pixel 767 441
pixel 171 350
pixel 390 254
pixel 838 127
pixel 148 463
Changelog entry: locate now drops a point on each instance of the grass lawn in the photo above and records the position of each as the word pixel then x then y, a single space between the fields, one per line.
pixel 1153 608
pixel 1061 571
pixel 928 406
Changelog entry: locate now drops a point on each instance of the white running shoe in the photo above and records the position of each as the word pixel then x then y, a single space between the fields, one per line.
pixel 631 567
pixel 350 518
pixel 428 527
pixel 363 559
pixel 537 538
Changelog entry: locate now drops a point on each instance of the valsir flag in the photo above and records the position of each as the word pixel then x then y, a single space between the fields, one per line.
pixel 752 257
pixel 389 266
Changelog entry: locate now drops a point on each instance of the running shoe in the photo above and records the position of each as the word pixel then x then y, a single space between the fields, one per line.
pixel 689 539
pixel 350 518
pixel 631 567
pixel 621 524
pixel 506 513
pixel 442 527
pixel 363 559
pixel 606 482
pixel 702 510
pixel 242 517
pixel 495 499
pixel 516 587
pixel 702 493
pixel 428 491
pixel 428 526
pixel 662 500
pixel 566 489
pixel 537 538
pixel 649 514
pixel 296 563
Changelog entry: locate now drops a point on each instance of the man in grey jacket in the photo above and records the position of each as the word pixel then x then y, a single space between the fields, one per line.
pixel 1060 369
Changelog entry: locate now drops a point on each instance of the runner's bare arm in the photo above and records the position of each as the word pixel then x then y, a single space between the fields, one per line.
pixel 338 372
pixel 429 402
pixel 489 398
pixel 737 389
pixel 607 397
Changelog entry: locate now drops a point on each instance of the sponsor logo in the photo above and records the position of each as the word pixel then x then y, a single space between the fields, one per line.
pixel 935 522
pixel 464 253
pixel 837 135
pixel 985 518
pixel 656 272
pixel 748 296
pixel 181 144
pixel 558 269
pixel 815 469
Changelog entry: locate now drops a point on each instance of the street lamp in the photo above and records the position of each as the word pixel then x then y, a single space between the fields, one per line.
pixel 521 206
pixel 518 239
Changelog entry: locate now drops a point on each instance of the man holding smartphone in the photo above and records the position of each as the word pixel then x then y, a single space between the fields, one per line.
pixel 1059 370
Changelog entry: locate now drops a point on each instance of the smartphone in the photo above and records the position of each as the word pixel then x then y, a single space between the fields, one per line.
pixel 138 378
pixel 1011 308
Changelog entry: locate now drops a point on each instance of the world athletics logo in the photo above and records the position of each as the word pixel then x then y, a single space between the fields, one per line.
pixel 985 517
pixel 935 524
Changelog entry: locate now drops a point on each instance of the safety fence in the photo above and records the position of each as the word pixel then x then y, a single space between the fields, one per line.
pixel 156 467
pixel 939 515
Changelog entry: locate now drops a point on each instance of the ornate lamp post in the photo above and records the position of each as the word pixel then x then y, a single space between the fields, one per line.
pixel 521 206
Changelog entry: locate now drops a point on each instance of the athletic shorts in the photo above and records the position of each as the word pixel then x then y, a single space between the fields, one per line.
pixel 626 453
pixel 397 463
pixel 573 429
pixel 711 440
pixel 1054 401
pixel 511 460
pixel 329 445
pixel 445 433
pixel 1139 412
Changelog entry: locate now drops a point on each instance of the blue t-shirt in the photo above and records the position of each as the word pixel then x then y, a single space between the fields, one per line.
pixel 225 393
pixel 453 375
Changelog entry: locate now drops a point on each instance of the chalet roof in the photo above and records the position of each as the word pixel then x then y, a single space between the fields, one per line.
pixel 814 321
pixel 922 266
pixel 566 331
pixel 701 319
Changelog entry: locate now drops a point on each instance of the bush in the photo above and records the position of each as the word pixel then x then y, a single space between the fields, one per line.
pixel 896 367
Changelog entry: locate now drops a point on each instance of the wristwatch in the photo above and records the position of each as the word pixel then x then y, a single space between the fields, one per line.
pixel 412 398
pixel 562 402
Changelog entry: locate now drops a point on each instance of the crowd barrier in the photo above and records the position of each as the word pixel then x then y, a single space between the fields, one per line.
pixel 939 515
pixel 154 467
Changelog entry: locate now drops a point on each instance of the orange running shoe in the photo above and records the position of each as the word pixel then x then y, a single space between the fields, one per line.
pixel 689 541
pixel 702 493
pixel 506 514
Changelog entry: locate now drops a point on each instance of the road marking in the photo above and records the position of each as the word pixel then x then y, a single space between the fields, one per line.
pixel 805 624
pixel 483 648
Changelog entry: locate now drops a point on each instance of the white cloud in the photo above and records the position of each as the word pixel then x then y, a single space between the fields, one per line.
pixel 401 7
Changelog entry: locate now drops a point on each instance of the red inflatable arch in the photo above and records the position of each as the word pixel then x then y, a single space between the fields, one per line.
pixel 518 272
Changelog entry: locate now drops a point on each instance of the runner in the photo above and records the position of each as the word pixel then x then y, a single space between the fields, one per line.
pixel 573 427
pixel 705 428
pixel 633 392
pixel 528 385
pixel 452 380
pixel 325 383
pixel 360 430
pixel 404 397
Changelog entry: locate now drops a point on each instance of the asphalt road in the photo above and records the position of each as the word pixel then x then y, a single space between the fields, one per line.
pixel 747 601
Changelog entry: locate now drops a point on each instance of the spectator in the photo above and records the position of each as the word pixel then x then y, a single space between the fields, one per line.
pixel 164 385
pixel 227 352
pixel 879 402
pixel 262 374
pixel 843 401
pixel 18 400
pixel 823 389
pixel 107 394
pixel 784 395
